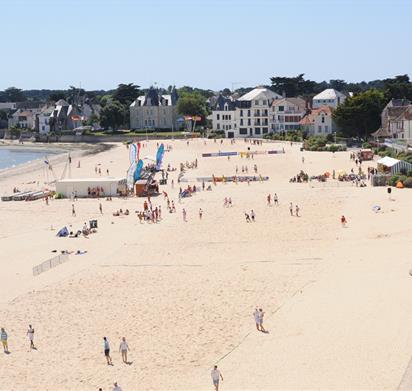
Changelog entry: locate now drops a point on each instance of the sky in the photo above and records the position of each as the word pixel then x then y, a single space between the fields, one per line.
pixel 211 44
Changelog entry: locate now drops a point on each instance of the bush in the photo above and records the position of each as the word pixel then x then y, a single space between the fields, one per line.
pixel 393 180
pixel 408 182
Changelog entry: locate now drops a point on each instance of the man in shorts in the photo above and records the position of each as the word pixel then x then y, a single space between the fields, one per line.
pixel 107 351
pixel 3 337
pixel 216 376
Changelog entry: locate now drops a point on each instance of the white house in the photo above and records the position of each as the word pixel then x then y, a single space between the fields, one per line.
pixel 248 116
pixel 319 122
pixel 154 110
pixel 43 120
pixel 286 114
pixel 328 97
pixel 23 119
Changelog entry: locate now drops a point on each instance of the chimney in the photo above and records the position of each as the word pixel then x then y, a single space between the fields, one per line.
pixel 283 94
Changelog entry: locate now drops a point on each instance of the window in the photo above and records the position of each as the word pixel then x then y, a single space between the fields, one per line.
pixel 256 102
pixel 257 130
pixel 281 108
pixel 264 130
pixel 319 129
pixel 241 122
pixel 326 128
pixel 264 102
pixel 218 126
pixel 243 131
pixel 230 117
pixel 218 117
pixel 241 113
pixel 323 119
pixel 248 113
pixel 248 122
pixel 145 122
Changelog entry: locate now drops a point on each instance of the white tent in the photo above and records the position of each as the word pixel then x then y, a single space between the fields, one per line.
pixel 394 165
pixel 83 186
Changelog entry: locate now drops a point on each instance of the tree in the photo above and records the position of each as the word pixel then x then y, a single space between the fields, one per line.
pixel 398 87
pixel 359 115
pixel 113 115
pixel 192 104
pixel 338 84
pixel 226 92
pixel 126 93
pixel 14 94
pixel 294 86
pixel 57 95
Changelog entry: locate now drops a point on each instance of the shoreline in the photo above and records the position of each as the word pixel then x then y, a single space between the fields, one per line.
pixel 59 152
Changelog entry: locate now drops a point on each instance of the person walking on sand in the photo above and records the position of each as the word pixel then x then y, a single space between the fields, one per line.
pixel 303 159
pixel 200 213
pixel 291 209
pixel 3 338
pixel 275 199
pixel 216 376
pixel 107 351
pixel 261 315
pixel 297 210
pixel 184 214
pixel 30 335
pixel 257 321
pixel 123 348
pixel 247 218
pixel 343 221
pixel 116 387
pixel 73 211
pixel 252 215
pixel 101 208
pixel 269 199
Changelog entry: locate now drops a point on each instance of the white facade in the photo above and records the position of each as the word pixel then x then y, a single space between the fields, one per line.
pixel 286 114
pixel 8 106
pixel 328 97
pixel 319 122
pixel 83 187
pixel 401 127
pixel 248 116
pixel 154 111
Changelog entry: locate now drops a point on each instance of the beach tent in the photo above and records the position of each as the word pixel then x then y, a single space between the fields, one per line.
pixel 63 232
pixel 393 166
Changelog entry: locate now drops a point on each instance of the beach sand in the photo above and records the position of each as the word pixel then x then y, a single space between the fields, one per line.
pixel 336 299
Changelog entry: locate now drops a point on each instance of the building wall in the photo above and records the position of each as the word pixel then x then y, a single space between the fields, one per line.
pixel 327 102
pixel 159 117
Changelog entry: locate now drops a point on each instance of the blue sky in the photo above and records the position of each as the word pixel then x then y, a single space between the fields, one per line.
pixel 203 43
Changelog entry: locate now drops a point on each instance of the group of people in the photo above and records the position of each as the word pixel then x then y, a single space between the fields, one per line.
pixel 300 177
pixel 250 218
pixel 123 349
pixel 275 199
pixel 4 338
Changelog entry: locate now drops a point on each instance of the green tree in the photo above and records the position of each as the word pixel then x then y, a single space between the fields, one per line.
pixel 14 94
pixel 126 93
pixel 295 86
pixel 57 95
pixel 192 104
pixel 359 115
pixel 113 115
pixel 398 87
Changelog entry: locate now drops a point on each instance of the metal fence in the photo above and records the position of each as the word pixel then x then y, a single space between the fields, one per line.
pixel 50 264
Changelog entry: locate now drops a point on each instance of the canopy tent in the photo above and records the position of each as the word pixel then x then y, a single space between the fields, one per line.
pixel 394 166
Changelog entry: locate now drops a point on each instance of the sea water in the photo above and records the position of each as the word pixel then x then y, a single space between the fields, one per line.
pixel 11 157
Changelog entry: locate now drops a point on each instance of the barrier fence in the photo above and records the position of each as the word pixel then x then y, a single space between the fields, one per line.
pixel 50 264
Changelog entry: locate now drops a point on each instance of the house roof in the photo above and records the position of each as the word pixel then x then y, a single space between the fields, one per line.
pixel 294 101
pixel 61 102
pixel 260 92
pixel 310 118
pixel 380 133
pixel 329 93
pixel 405 112
pixel 388 161
pixel 24 113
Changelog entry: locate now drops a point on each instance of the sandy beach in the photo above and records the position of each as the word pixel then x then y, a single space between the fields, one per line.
pixel 336 300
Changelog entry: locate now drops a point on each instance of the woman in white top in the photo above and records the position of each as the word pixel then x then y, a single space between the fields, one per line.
pixel 123 348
